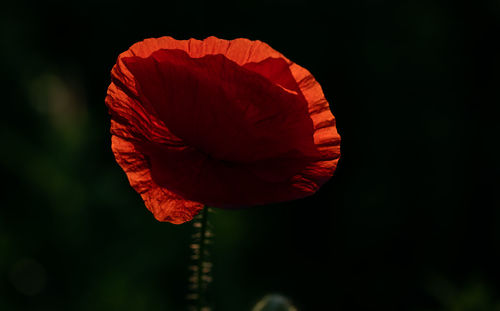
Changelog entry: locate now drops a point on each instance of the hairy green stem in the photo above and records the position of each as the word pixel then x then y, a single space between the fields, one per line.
pixel 201 266
pixel 201 259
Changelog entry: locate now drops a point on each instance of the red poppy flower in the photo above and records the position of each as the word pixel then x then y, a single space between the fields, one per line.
pixel 217 122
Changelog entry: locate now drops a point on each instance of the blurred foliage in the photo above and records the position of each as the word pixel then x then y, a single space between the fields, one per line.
pixel 410 220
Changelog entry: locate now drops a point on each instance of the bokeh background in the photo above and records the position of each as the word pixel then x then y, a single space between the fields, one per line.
pixel 410 221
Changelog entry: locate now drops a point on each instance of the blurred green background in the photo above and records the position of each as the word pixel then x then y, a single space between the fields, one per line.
pixel 410 221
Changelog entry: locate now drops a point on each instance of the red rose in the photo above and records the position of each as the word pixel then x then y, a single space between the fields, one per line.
pixel 217 122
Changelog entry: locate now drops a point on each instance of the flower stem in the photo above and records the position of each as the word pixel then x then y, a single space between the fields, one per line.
pixel 202 266
pixel 203 236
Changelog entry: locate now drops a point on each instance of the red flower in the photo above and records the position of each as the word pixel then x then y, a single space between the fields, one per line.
pixel 217 122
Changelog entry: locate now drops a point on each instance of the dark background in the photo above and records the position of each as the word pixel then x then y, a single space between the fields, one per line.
pixel 410 221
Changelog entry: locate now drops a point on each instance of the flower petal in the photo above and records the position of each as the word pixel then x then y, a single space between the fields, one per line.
pixel 224 123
